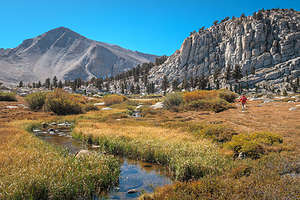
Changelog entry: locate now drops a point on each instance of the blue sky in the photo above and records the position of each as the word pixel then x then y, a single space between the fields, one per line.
pixel 149 26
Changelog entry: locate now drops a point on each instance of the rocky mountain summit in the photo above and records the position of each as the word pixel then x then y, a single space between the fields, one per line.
pixel 265 46
pixel 63 53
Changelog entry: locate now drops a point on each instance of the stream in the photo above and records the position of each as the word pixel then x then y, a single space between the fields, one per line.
pixel 136 176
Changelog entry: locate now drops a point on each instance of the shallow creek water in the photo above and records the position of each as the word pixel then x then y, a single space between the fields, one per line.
pixel 135 175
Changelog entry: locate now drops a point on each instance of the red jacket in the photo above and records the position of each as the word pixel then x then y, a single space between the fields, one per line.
pixel 243 99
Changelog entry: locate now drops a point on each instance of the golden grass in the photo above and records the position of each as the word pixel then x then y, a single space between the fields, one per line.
pixel 186 156
pixel 113 99
pixel 168 138
pixel 32 169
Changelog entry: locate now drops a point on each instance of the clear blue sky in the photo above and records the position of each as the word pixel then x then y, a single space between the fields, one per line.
pixel 150 26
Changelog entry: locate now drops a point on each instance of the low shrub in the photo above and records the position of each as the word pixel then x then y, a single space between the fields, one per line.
pixel 216 105
pixel 90 107
pixel 7 96
pixel 113 99
pixel 146 111
pixel 262 185
pixel 173 100
pixel 63 103
pixel 227 95
pixel 36 100
pixel 199 95
pixel 253 145
pixel 217 133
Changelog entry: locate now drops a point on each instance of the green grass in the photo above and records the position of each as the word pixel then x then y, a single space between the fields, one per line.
pixel 7 96
pixel 186 156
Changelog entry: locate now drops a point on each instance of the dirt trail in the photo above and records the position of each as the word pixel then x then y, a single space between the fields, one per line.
pixel 259 116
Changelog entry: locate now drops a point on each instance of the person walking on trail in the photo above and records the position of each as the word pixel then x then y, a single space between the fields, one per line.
pixel 243 100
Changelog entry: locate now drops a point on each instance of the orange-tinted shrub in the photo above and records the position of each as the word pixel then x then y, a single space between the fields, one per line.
pixel 113 99
pixel 63 103
pixel 199 94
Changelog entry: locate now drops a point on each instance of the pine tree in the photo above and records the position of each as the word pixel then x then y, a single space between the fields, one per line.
pixel 185 84
pixel 151 88
pixel 217 83
pixel 47 83
pixel 74 86
pixel 60 84
pixel 253 70
pixel 21 84
pixel 175 84
pixel 145 79
pixel 99 83
pixel 54 81
pixel 122 88
pixel 202 82
pixel 165 84
pixel 137 89
pixel 228 74
pixel 107 86
pixel 39 84
pixel 132 89
pixel 237 73
pixel 192 82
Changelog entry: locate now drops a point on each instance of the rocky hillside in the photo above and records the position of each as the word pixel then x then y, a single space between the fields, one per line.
pixel 67 55
pixel 265 46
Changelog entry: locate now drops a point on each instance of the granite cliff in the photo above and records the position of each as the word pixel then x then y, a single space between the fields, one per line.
pixel 266 47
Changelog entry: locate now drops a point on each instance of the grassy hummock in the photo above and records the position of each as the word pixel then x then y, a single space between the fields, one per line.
pixel 32 169
pixel 7 96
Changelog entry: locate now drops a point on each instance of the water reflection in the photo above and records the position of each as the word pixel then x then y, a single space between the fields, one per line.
pixel 136 176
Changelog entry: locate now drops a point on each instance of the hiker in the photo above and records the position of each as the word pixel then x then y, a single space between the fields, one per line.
pixel 243 99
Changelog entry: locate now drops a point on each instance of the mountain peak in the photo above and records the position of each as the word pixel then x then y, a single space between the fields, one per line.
pixel 68 55
pixel 61 30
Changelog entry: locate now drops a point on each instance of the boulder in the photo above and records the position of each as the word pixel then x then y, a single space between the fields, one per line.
pixel 82 153
pixel 99 104
pixel 132 191
pixel 106 108
pixel 292 108
pixel 158 105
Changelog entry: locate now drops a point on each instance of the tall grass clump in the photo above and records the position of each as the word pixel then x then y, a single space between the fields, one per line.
pixel 255 144
pixel 213 100
pixel 63 103
pixel 186 156
pixel 113 99
pixel 32 169
pixel 36 100
pixel 7 96
pixel 216 105
pixel 173 100
pixel 227 95
pixel 248 179
pixel 199 95
pixel 218 133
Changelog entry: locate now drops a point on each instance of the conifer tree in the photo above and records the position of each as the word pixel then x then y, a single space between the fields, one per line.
pixel 47 83
pixel 21 84
pixel 39 84
pixel 237 73
pixel 137 89
pixel 165 84
pixel 54 81
pixel 60 84
pixel 175 84
pixel 132 89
